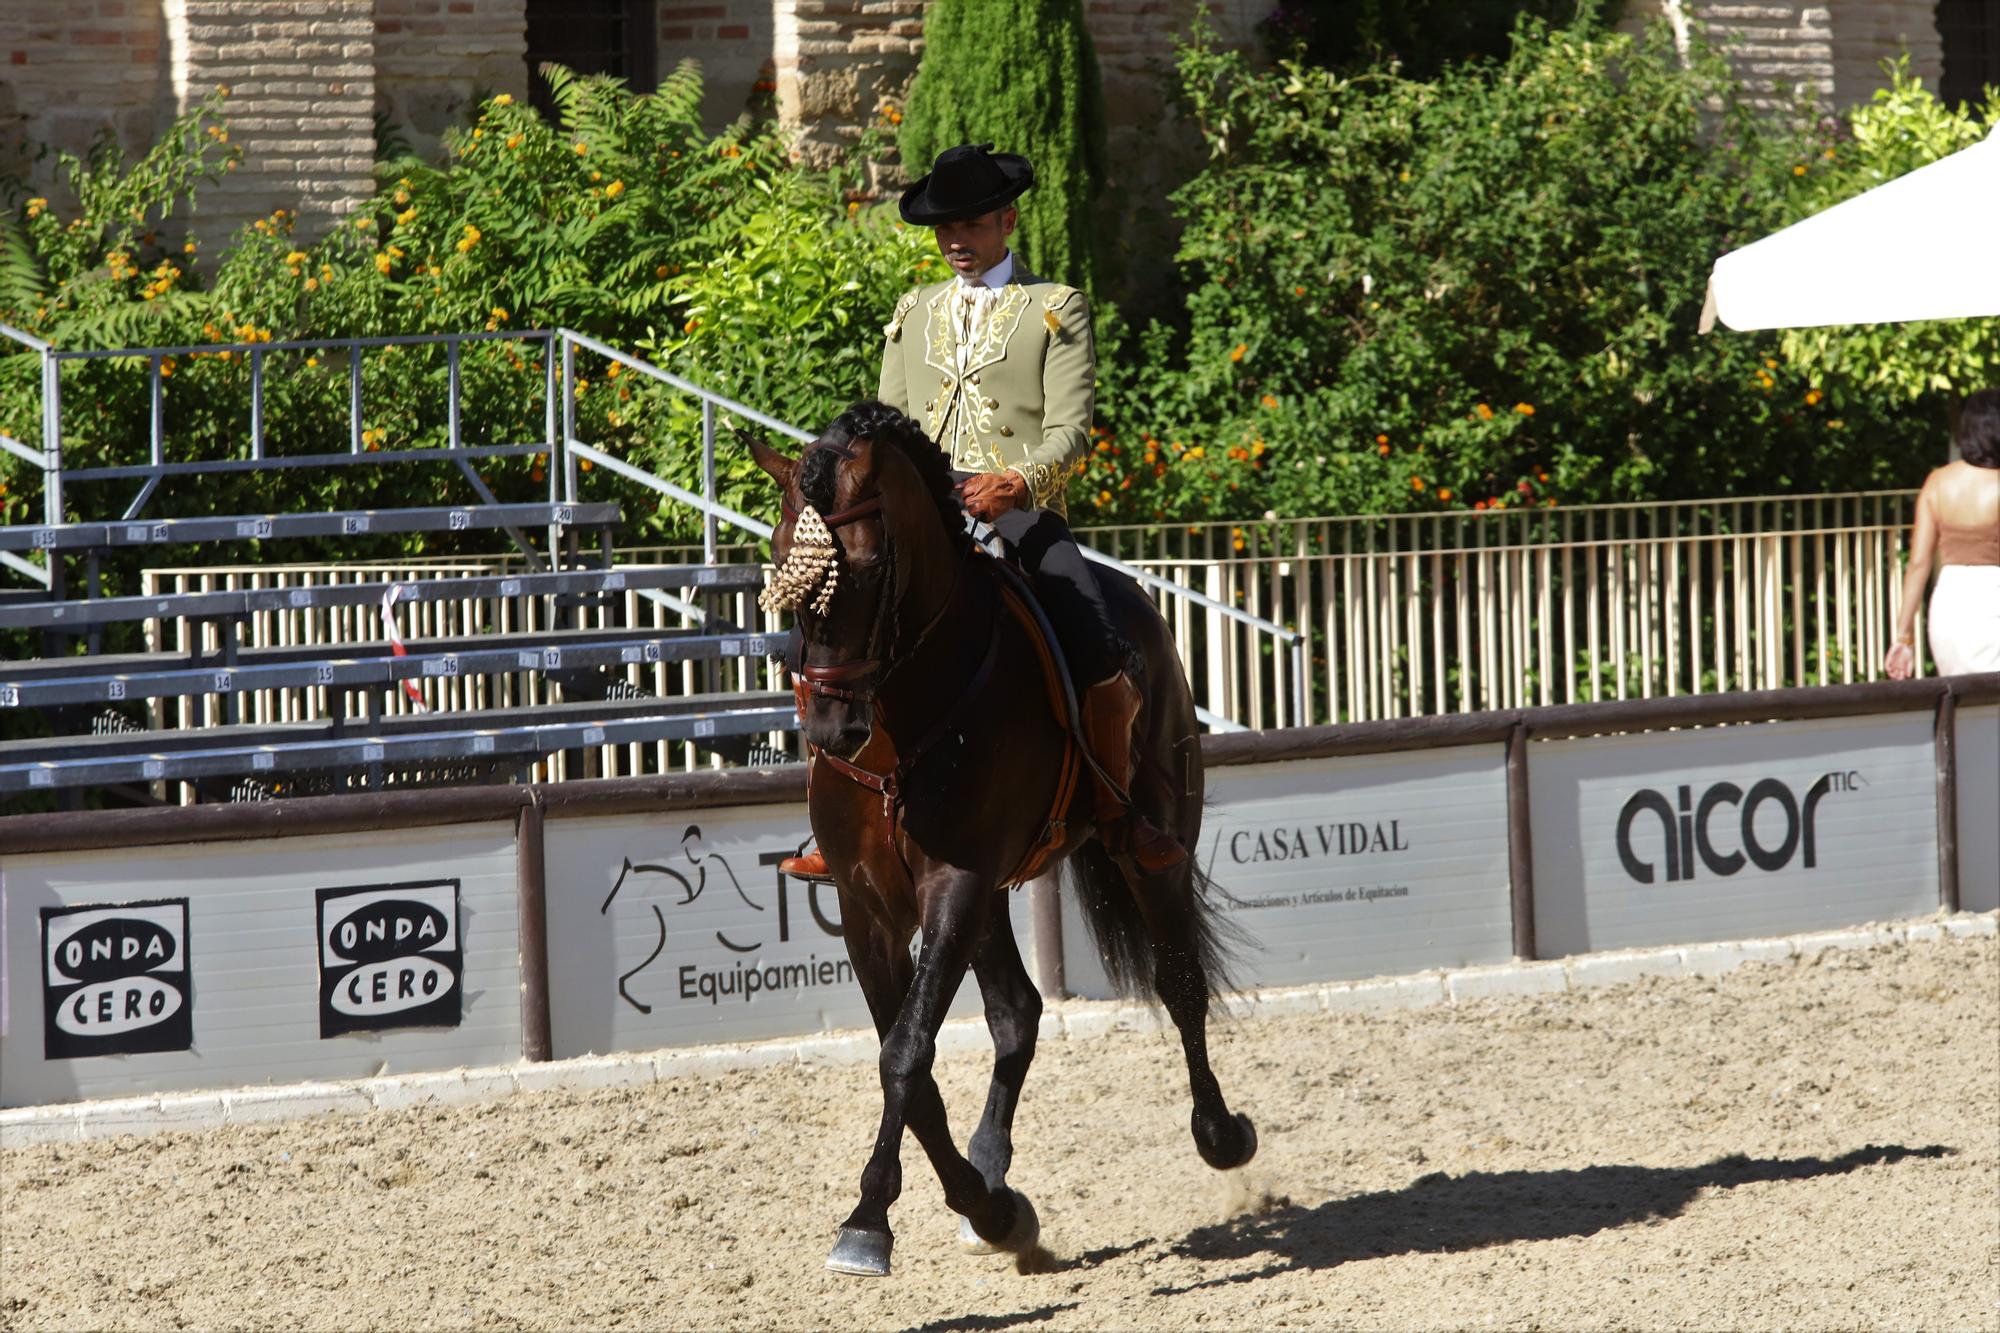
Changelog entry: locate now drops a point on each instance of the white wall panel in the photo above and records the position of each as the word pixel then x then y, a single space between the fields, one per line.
pixel 675 930
pixel 1352 867
pixel 1978 747
pixel 1841 811
pixel 254 959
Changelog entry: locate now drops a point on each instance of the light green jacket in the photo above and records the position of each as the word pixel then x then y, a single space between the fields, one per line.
pixel 1023 398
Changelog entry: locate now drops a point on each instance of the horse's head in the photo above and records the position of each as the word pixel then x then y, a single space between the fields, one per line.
pixel 861 509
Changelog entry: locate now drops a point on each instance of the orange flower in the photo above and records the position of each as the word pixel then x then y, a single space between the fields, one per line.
pixel 1485 412
pixel 1479 504
pixel 1813 396
pixel 1236 352
pixel 1269 401
pixel 1444 494
pixel 1416 483
pixel 1381 439
pixel 1382 449
pixel 1525 409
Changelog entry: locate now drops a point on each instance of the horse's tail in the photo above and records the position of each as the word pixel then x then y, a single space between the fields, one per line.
pixel 1187 905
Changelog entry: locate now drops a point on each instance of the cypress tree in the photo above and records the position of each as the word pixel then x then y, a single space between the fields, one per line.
pixel 1022 76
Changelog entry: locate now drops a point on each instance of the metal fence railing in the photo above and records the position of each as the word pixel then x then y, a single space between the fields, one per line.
pixel 1410 615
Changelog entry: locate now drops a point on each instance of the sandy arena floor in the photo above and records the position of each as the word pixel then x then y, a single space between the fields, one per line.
pixel 1808 1147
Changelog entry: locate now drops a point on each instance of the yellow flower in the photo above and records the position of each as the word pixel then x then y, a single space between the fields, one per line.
pixel 396 252
pixel 296 257
pixel 403 218
pixel 1236 352
pixel 498 313
pixel 581 148
pixel 613 190
pixel 513 141
pixel 597 175
pixel 1813 396
pixel 363 224
pixel 1199 451
pixel 311 361
pixel 586 465
pixel 660 271
pixel 691 326
pixel 166 366
pixel 383 264
pixel 1799 170
pixel 312 284
pixel 610 374
pixel 188 249
pixel 504 99
pixel 1525 409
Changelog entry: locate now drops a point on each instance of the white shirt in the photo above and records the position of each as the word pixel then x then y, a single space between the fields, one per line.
pixel 976 298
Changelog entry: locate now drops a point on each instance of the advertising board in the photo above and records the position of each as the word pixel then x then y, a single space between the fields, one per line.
pixel 1978 750
pixel 209 965
pixel 1351 867
pixel 1732 832
pixel 677 930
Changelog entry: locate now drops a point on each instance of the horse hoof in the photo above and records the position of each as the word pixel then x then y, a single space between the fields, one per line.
pixel 1021 1238
pixel 861 1253
pixel 1247 1148
pixel 969 1241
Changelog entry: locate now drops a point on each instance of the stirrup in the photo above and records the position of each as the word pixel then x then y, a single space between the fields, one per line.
pixel 811 865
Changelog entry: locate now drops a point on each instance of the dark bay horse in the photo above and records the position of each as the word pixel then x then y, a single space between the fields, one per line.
pixel 939 770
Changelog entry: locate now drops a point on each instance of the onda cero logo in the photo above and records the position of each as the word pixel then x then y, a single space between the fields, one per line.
pixel 389 957
pixel 115 980
pixel 1724 830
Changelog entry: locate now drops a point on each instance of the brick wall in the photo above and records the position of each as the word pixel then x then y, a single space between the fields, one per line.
pixel 435 58
pixel 733 41
pixel 301 75
pixel 70 69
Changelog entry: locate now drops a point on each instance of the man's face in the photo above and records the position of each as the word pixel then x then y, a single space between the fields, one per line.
pixel 975 245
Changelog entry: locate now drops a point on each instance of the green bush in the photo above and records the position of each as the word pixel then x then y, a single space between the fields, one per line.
pixel 1023 77
pixel 1481 290
pixel 627 221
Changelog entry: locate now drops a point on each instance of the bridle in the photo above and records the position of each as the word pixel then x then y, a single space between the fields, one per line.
pixel 857 681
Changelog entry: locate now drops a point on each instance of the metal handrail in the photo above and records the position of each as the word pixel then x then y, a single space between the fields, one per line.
pixel 714 512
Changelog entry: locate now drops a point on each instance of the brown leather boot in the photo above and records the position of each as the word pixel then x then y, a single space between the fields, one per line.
pixel 812 865
pixel 1110 707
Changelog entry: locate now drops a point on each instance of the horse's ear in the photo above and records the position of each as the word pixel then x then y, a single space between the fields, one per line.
pixel 781 467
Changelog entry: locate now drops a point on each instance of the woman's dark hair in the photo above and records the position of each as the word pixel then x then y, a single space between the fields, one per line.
pixel 1979 429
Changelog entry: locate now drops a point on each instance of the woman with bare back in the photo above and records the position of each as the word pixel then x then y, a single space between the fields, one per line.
pixel 1958 528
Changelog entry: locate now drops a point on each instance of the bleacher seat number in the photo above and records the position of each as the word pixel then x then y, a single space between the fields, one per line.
pixel 299 598
pixel 323 675
pixel 9 697
pixel 593 735
pixel 261 762
pixel 442 666
pixel 482 745
pixel 225 683
pixel 564 516
pixel 705 727
pixel 510 587
pixel 353 523
pixel 45 538
pixel 459 520
pixel 114 689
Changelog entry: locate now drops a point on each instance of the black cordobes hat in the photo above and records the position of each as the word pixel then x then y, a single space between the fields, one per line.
pixel 965 182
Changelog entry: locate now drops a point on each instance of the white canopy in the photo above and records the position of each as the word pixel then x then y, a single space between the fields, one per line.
pixel 1923 246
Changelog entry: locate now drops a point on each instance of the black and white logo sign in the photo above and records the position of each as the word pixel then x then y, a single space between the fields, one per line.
pixel 115 980
pixel 389 957
pixel 1772 828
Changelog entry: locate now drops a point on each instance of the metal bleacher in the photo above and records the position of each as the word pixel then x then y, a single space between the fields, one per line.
pixel 369 711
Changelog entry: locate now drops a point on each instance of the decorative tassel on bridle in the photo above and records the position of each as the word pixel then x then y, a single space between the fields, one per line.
pixel 813 563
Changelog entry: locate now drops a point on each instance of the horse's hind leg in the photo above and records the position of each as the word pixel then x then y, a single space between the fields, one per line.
pixel 1013 1015
pixel 908 1018
pixel 1180 975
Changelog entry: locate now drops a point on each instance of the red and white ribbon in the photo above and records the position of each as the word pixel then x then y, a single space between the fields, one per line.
pixel 396 642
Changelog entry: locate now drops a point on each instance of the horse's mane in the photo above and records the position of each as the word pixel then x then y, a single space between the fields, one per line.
pixel 883 424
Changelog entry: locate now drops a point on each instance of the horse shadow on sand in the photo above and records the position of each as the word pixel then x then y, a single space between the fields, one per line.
pixel 1440 1213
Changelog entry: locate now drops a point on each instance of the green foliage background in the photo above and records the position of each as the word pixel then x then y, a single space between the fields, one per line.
pixel 1484 290
pixel 627 221
pixel 1021 75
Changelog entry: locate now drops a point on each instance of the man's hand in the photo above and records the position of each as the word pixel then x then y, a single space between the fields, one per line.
pixel 991 494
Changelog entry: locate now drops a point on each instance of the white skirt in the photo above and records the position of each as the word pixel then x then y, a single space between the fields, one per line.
pixel 1965 619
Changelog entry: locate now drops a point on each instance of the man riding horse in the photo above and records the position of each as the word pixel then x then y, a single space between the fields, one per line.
pixel 1016 372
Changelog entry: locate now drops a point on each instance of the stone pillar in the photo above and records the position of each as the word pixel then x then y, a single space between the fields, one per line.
pixel 301 75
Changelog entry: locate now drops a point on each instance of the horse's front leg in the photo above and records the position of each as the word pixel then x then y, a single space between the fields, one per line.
pixel 952 904
pixel 1013 1016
